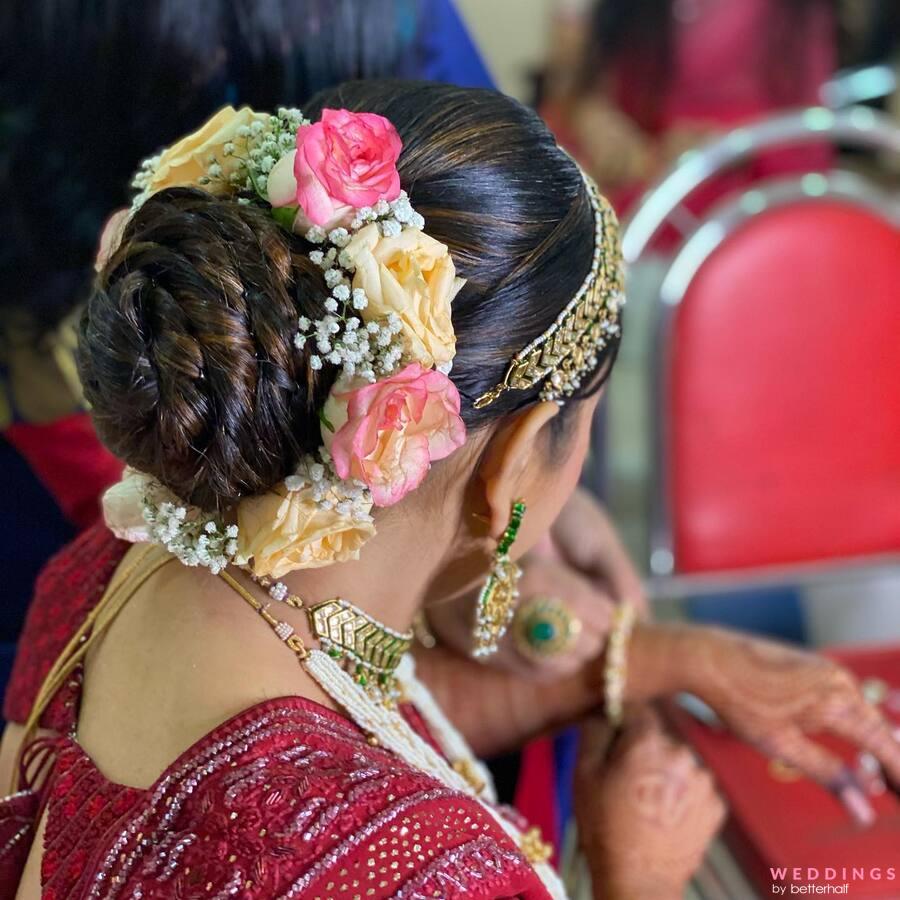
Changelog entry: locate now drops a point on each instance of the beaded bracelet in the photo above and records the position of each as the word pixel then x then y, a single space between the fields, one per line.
pixel 615 668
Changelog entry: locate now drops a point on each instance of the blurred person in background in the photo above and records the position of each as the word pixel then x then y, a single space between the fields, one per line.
pixel 641 81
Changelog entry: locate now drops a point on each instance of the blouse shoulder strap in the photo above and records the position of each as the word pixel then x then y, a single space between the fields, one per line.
pixel 134 570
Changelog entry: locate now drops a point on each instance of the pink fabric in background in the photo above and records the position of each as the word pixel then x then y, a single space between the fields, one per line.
pixel 721 56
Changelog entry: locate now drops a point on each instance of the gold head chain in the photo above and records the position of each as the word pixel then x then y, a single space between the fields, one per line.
pixel 569 348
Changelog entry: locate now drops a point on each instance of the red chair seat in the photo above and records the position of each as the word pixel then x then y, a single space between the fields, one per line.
pixel 784 393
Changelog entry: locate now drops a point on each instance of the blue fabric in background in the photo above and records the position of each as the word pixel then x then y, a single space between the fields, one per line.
pixel 773 612
pixel 446 52
pixel 565 753
pixel 41 529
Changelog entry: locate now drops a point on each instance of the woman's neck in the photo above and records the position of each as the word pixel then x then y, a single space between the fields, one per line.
pixel 388 581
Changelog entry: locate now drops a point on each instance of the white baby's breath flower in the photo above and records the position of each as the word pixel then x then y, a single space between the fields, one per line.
pixel 295 482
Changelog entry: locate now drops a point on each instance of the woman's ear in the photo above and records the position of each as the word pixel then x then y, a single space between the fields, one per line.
pixel 505 470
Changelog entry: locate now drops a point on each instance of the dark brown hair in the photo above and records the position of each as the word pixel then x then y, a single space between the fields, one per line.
pixel 186 349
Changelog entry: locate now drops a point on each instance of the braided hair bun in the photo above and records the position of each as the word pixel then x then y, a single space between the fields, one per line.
pixel 186 348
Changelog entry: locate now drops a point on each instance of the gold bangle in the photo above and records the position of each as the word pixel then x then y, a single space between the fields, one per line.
pixel 615 668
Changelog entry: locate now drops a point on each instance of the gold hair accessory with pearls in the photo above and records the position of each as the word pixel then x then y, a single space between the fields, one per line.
pixel 568 349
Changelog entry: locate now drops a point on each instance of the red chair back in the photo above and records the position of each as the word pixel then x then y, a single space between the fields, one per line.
pixel 783 393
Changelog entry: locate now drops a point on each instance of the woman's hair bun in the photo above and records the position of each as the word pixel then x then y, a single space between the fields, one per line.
pixel 186 348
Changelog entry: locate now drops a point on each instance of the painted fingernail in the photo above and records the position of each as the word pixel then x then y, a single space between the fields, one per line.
pixel 857 805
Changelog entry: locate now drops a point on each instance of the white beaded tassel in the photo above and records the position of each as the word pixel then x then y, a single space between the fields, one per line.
pixel 445 732
pixel 395 734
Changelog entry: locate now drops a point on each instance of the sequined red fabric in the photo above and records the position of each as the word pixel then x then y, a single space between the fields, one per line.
pixel 68 588
pixel 287 799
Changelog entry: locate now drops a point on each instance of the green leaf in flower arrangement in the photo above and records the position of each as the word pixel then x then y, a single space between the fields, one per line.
pixel 324 420
pixel 284 216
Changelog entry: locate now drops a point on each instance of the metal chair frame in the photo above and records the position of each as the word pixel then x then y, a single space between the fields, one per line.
pixel 858 127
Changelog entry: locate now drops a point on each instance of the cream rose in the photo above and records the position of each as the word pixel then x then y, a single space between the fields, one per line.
pixel 123 506
pixel 286 530
pixel 186 162
pixel 413 276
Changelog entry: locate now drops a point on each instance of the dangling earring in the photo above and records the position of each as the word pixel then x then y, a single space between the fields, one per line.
pixel 497 599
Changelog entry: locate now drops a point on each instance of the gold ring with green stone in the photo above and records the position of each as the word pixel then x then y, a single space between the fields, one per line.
pixel 543 627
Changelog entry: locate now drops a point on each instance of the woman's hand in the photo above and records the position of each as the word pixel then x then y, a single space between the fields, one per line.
pixel 774 697
pixel 646 811
pixel 584 537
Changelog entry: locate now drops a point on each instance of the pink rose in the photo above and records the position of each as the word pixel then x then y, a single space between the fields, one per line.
pixel 387 434
pixel 342 163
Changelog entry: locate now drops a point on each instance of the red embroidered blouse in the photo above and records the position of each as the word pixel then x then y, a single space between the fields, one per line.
pixel 287 799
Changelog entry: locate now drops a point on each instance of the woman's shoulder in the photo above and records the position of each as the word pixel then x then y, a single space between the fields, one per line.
pixel 290 799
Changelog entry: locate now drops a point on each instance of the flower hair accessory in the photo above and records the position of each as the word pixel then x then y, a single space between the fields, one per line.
pixel 386 328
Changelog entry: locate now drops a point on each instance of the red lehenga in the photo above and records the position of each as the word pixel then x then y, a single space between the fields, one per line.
pixel 287 799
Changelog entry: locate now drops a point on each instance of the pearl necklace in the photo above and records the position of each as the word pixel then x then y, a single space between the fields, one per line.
pixel 390 728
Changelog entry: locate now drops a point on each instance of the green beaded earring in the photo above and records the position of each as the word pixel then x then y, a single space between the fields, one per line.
pixel 497 600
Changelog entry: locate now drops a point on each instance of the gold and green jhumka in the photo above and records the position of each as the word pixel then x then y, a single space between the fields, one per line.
pixel 497 600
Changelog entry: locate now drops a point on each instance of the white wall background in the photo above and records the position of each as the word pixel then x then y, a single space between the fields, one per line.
pixel 512 36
